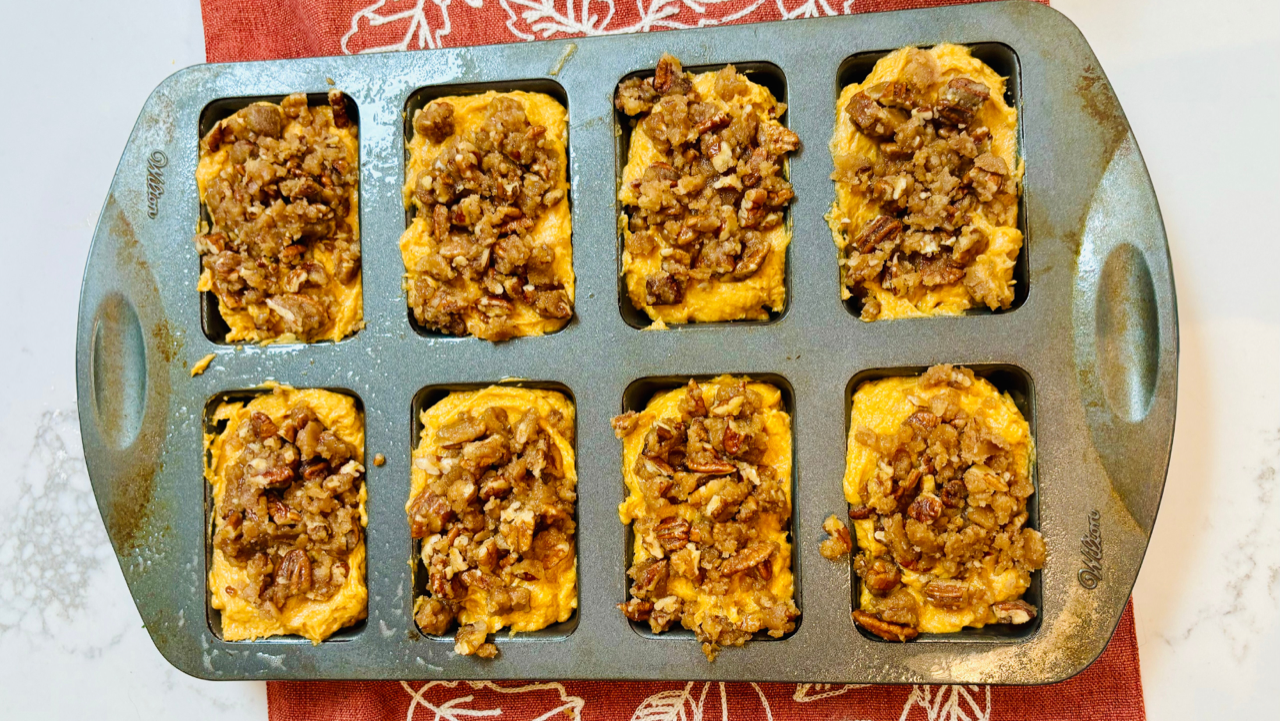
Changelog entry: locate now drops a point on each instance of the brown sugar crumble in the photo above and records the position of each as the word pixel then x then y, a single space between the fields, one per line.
pixel 495 518
pixel 948 503
pixel 290 514
pixel 481 197
pixel 717 185
pixel 280 183
pixel 710 516
pixel 937 187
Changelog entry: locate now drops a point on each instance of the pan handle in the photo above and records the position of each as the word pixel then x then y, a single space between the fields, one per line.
pixel 1126 329
pixel 123 357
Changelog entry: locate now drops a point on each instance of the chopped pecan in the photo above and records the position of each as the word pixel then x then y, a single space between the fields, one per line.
pixel 947 593
pixel 463 429
pixel 650 578
pixel 879 575
pixel 860 512
pixel 636 610
pixel 1015 612
pixel 871 117
pixel 926 508
pixel 429 514
pixel 960 99
pixel 884 629
pixel 672 533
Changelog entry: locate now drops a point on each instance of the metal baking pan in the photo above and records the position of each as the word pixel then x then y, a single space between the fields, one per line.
pixel 1090 351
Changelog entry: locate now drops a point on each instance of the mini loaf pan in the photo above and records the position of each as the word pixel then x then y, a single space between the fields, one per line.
pixel 1090 350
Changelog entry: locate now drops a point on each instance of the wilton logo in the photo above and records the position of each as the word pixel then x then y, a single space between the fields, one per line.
pixel 1091 549
pixel 155 181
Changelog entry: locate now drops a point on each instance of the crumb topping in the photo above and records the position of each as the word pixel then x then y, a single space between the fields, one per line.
pixel 497 512
pixel 718 186
pixel 481 195
pixel 713 511
pixel 948 503
pixel 290 514
pixel 931 171
pixel 282 205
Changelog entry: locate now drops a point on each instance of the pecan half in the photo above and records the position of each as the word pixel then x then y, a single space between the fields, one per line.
pixel 672 533
pixel 755 553
pixel 294 572
pixel 884 629
pixel 947 593
pixel 878 230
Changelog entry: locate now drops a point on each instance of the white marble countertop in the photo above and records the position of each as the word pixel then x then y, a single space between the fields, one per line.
pixel 1198 81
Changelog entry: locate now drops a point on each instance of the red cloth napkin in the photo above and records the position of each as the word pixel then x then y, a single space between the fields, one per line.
pixel 272 29
pixel 268 29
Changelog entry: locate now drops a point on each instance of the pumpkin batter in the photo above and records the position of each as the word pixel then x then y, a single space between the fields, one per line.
pixel 281 184
pixel 708 470
pixel 492 497
pixel 937 479
pixel 491 277
pixel 927 183
pixel 704 239
pixel 229 581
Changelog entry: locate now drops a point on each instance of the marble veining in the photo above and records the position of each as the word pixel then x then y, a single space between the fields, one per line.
pixel 51 539
pixel 1250 567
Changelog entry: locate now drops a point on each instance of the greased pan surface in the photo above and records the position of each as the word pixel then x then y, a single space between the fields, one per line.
pixel 1090 352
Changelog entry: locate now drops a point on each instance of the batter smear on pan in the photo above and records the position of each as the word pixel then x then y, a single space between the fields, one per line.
pixel 280 183
pixel 927 184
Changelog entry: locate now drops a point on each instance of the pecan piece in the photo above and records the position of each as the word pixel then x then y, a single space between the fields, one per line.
pixel 893 94
pixel 434 122
pixel 926 508
pixel 884 629
pixel 669 77
pixel 429 514
pixel 636 610
pixel 461 430
pixel 263 426
pixel 662 288
pixel 672 533
pixel 755 553
pixel 625 423
pixel 922 421
pixel 650 578
pixel 859 513
pixel 880 229
pixel 294 572
pixel 470 639
pixel 434 617
pixel 871 117
pixel 1014 612
pixel 947 593
pixel 839 542
pixel 879 575
pixel 960 99
pixel 954 493
pixel 708 463
pixel 341 113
